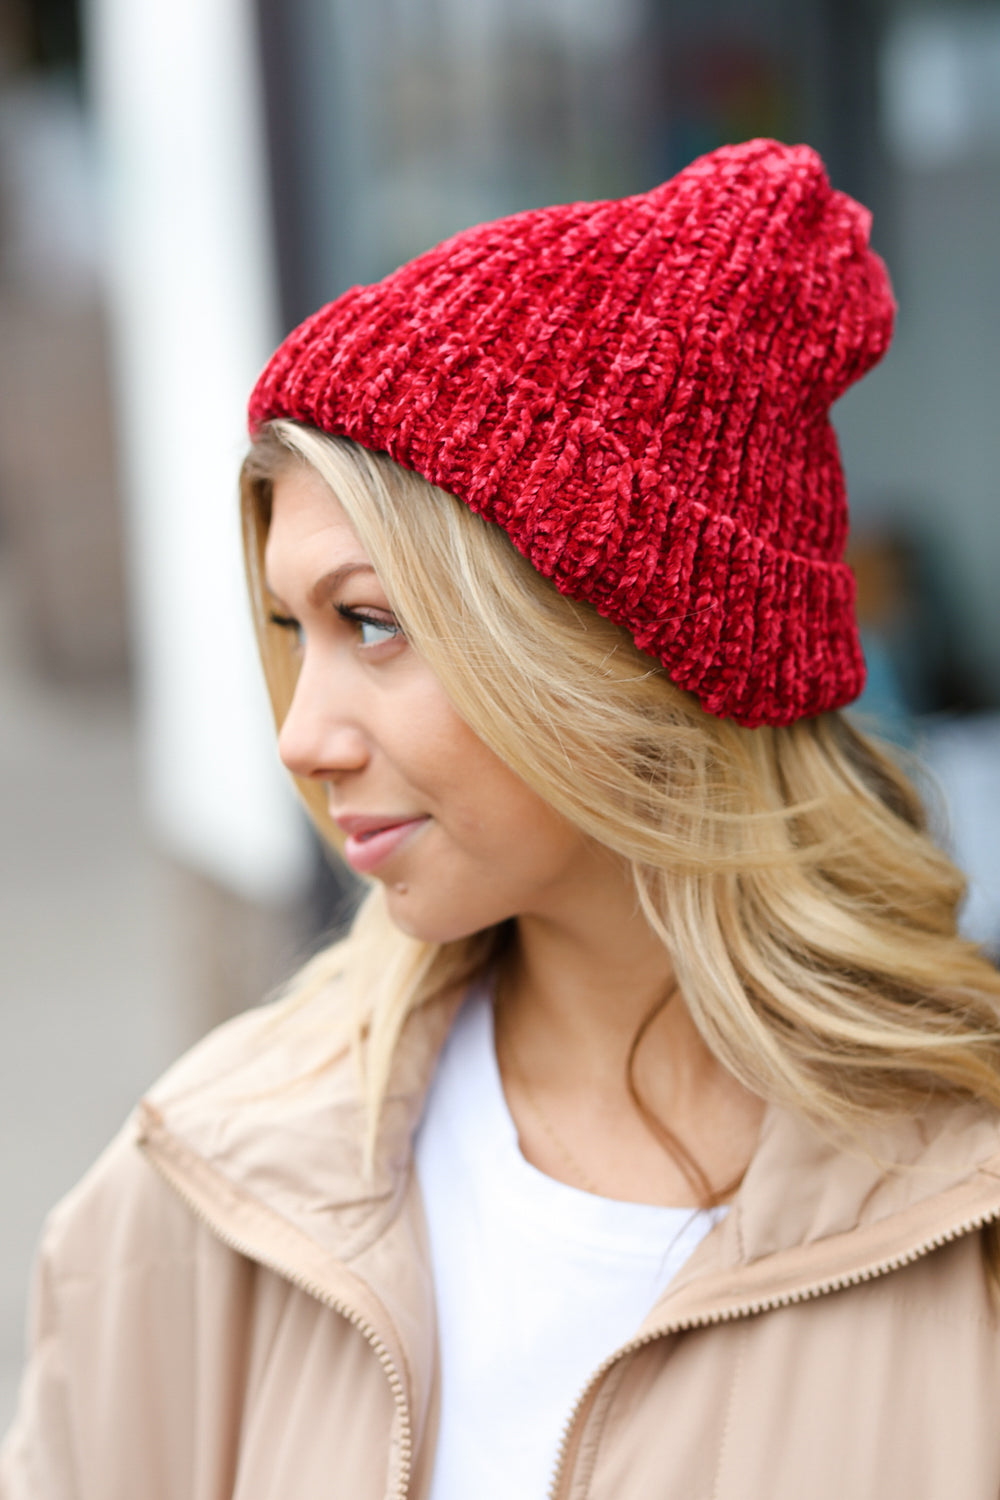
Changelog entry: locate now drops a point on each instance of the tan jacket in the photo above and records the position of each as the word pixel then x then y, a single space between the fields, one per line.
pixel 232 1311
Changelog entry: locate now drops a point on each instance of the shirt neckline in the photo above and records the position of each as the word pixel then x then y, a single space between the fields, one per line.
pixel 557 1209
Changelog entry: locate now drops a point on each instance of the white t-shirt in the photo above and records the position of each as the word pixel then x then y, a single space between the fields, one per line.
pixel 537 1283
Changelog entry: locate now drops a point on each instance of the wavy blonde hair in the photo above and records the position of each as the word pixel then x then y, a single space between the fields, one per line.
pixel 809 918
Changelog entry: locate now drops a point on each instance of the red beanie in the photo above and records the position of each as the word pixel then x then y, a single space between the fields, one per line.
pixel 638 392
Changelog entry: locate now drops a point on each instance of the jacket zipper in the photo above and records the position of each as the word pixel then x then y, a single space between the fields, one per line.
pixel 750 1309
pixel 313 1289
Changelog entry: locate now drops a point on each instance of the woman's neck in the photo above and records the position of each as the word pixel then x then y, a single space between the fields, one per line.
pixel 572 998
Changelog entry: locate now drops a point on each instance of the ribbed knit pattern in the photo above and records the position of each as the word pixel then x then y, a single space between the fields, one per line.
pixel 638 392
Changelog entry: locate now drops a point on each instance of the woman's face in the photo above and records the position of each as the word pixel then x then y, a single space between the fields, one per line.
pixel 458 840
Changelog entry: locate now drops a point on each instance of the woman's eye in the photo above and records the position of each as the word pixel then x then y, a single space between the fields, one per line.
pixel 370 630
pixel 287 622
pixel 375 632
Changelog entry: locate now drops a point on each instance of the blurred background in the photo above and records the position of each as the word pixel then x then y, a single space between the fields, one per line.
pixel 183 180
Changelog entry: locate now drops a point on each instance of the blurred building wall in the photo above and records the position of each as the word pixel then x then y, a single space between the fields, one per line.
pixel 58 497
pixel 922 436
pixel 191 298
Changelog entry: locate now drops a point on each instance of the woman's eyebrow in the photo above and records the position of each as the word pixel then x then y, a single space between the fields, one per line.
pixel 321 590
pixel 330 582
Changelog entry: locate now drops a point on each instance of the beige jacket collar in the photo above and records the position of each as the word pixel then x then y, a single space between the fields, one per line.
pixel 267 1149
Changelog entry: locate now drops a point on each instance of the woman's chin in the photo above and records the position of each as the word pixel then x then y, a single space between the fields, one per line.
pixel 432 924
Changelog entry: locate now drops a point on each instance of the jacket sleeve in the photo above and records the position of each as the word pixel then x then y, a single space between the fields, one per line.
pixel 36 1459
pixel 134 1335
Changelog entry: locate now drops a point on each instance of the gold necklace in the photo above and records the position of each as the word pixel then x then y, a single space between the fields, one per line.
pixel 515 1071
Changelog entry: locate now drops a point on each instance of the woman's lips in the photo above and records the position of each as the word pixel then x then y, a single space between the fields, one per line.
pixel 366 850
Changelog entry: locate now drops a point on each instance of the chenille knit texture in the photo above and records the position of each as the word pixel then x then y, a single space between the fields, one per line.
pixel 638 392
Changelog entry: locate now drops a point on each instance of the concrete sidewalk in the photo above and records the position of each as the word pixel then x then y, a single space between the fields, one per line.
pixel 87 1016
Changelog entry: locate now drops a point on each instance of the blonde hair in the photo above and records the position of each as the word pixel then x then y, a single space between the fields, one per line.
pixel 809 918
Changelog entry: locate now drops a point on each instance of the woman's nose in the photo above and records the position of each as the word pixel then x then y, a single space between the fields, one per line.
pixel 319 739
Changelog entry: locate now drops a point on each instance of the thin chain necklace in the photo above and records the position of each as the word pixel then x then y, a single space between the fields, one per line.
pixel 515 1071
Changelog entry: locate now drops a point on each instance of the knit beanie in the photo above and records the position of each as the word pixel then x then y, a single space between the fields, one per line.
pixel 638 392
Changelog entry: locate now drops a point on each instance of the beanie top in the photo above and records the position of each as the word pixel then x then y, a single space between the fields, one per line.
pixel 638 392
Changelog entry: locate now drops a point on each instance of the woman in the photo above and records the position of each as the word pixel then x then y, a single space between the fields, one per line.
pixel 665 1160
